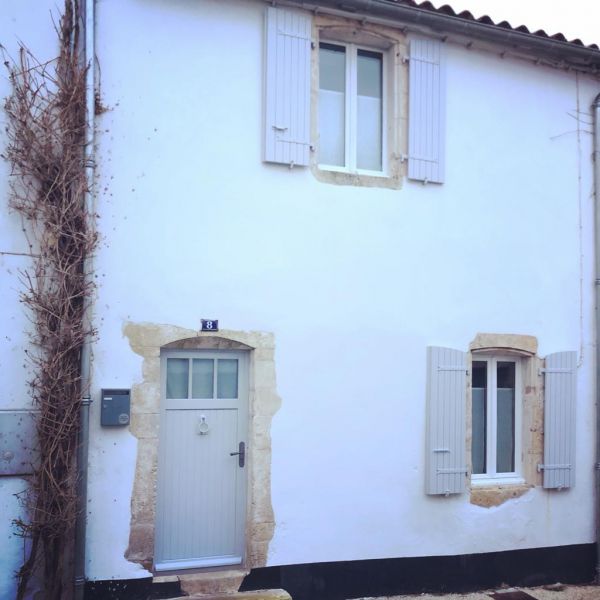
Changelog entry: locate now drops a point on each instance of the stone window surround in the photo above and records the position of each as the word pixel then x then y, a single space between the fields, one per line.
pixel 393 42
pixel 147 340
pixel 532 424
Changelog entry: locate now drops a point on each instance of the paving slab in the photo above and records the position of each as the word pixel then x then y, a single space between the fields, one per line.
pixel 551 592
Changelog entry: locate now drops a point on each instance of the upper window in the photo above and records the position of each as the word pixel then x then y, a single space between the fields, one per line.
pixel 496 409
pixel 381 100
pixel 351 108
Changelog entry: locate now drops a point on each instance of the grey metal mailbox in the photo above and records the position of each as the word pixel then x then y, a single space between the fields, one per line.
pixel 114 408
pixel 17 442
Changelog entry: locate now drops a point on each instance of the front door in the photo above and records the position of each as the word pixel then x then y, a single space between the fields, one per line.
pixel 200 516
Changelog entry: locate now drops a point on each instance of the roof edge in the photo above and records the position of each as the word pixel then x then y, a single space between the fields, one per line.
pixel 563 52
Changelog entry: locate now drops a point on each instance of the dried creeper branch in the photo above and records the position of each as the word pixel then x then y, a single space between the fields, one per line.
pixel 46 143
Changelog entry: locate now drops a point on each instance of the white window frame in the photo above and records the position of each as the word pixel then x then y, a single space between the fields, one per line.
pixel 491 476
pixel 350 121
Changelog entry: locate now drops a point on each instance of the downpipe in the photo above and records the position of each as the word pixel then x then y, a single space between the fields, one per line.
pixel 84 415
pixel 596 156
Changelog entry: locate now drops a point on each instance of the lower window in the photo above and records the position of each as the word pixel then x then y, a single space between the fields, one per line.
pixel 496 418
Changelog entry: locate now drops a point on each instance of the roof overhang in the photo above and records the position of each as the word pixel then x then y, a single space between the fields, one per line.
pixel 559 52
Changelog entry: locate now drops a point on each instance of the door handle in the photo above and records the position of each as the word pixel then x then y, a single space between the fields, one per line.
pixel 241 454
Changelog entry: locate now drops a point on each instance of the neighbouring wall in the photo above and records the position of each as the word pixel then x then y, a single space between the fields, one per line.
pixel 28 22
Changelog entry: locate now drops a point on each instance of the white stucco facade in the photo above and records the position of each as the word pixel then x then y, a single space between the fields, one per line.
pixel 353 282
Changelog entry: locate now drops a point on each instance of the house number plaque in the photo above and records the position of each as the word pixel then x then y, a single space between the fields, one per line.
pixel 209 325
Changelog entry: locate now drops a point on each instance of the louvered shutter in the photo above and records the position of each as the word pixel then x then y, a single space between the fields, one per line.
pixel 560 393
pixel 446 391
pixel 426 111
pixel 287 101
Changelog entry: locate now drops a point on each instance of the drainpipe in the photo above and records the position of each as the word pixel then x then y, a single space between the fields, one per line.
pixel 596 117
pixel 84 415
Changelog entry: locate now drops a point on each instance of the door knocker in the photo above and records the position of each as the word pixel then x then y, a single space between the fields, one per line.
pixel 202 426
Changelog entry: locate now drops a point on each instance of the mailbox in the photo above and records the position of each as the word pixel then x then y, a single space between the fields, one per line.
pixel 114 408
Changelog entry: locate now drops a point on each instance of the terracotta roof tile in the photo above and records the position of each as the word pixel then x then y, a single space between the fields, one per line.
pixel 446 9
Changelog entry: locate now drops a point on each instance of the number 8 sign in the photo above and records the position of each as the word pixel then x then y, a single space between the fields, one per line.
pixel 209 325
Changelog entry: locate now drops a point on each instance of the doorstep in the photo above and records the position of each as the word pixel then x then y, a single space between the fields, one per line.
pixel 256 595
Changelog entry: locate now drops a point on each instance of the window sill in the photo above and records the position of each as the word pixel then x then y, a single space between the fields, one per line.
pixel 343 176
pixel 354 173
pixel 487 494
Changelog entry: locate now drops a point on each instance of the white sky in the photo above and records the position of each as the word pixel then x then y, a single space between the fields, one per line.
pixel 574 18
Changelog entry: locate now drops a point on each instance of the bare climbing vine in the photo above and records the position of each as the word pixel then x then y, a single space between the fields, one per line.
pixel 46 133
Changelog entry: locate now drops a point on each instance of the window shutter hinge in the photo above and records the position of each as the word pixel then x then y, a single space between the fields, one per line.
pixel 543 371
pixel 405 157
pixel 453 368
pixel 405 59
pixel 462 470
pixel 541 467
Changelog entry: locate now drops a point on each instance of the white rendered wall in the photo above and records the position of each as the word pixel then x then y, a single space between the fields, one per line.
pixel 354 282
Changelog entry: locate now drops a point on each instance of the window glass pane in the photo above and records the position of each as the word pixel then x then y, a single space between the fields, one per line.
pixel 479 416
pixel 505 451
pixel 506 375
pixel 332 105
pixel 369 106
pixel 177 377
pixel 227 378
pixel 202 377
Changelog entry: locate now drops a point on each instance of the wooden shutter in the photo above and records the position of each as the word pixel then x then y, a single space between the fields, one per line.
pixel 287 94
pixel 446 391
pixel 560 394
pixel 426 111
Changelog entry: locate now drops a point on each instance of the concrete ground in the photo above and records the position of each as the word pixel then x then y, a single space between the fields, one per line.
pixel 556 592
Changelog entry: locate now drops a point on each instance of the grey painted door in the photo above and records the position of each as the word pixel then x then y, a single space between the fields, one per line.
pixel 200 516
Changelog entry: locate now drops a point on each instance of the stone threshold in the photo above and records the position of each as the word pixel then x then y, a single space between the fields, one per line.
pixel 256 595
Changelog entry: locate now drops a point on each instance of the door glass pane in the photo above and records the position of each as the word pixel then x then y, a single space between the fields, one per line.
pixel 202 377
pixel 227 378
pixel 177 377
pixel 332 105
pixel 479 416
pixel 505 451
pixel 369 106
